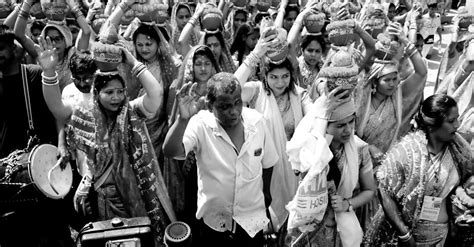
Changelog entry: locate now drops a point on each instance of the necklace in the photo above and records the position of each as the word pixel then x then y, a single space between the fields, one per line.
pixel 283 102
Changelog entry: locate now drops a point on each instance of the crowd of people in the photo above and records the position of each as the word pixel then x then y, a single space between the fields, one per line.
pixel 256 123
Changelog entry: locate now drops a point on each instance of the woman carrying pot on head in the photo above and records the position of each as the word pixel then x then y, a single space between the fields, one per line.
pixel 112 134
pixel 417 176
pixel 181 176
pixel 236 17
pixel 59 34
pixel 153 50
pixel 381 115
pixel 180 16
pixel 283 104
pixel 313 49
pixel 345 174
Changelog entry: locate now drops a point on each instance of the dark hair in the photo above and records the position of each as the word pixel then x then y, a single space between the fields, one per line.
pixel 205 51
pixel 238 45
pixel 37 24
pixel 183 5
pixel 290 8
pixel 218 36
pixel 433 111
pixel 222 82
pixel 259 17
pixel 82 64
pixel 241 11
pixel 101 80
pixel 147 30
pixel 286 64
pixel 6 35
pixel 307 39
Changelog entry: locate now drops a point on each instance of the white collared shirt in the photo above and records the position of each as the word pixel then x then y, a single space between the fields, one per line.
pixel 230 184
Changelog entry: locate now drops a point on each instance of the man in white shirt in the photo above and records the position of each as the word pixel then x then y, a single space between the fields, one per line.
pixel 235 156
pixel 430 25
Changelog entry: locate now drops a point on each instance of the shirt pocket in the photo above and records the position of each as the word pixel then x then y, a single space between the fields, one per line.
pixel 252 163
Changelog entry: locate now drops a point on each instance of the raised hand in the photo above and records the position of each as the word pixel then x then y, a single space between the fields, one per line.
pixel 188 101
pixel 264 44
pixel 336 97
pixel 395 28
pixel 47 57
pixel 128 58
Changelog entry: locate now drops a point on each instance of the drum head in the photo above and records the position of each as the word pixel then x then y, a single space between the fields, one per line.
pixel 42 159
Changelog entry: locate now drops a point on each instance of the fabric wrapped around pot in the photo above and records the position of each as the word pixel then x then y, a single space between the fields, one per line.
pixel 386 48
pixel 6 8
pixel 263 5
pixel 314 22
pixel 98 22
pixel 55 10
pixel 346 77
pixel 151 10
pixel 279 52
pixel 341 33
pixel 106 55
pixel 127 17
pixel 374 21
pixel 211 19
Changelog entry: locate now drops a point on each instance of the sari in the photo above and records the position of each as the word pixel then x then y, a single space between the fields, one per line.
pixel 176 31
pixel 114 152
pixel 307 75
pixel 407 174
pixel 281 125
pixel 226 61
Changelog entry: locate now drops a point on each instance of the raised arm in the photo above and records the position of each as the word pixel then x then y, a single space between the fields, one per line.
pixel 48 60
pixel 187 106
pixel 153 97
pixel 20 27
pixel 119 11
pixel 281 14
pixel 11 18
pixel 188 29
pixel 295 33
pixel 82 42
pixel 253 59
pixel 369 43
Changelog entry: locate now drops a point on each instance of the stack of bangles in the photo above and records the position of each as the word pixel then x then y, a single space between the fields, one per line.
pixel 251 60
pixel 77 12
pixel 193 20
pixel 24 14
pixel 50 81
pixel 406 237
pixel 410 49
pixel 138 69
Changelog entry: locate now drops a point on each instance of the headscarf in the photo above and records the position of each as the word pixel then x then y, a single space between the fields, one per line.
pixel 345 110
pixel 225 63
pixel 229 23
pixel 176 32
pixel 62 28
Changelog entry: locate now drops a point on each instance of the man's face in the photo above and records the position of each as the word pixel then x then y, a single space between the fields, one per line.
pixel 35 33
pixel 228 106
pixel 6 54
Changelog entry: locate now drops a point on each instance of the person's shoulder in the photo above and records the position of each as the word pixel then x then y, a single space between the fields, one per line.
pixel 251 116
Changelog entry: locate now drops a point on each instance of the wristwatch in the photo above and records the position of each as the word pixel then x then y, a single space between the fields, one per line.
pixel 350 208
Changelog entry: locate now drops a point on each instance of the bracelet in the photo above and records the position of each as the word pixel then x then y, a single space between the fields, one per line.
pixel 193 20
pixel 406 237
pixel 49 77
pixel 138 69
pixel 462 70
pixel 124 6
pixel 23 14
pixel 252 60
pixel 77 11
pixel 322 118
pixel 413 53
pixel 50 83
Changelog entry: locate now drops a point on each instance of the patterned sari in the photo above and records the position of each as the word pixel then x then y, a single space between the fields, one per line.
pixel 409 173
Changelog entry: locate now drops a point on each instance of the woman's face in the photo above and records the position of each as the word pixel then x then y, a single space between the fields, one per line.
pixel 146 47
pixel 251 40
pixel 341 130
pixel 58 41
pixel 446 132
pixel 111 97
pixel 387 84
pixel 278 80
pixel 35 33
pixel 312 53
pixel 203 69
pixel 182 17
pixel 239 18
pixel 216 48
pixel 289 20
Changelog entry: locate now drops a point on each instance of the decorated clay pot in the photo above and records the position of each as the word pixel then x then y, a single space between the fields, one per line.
pixel 275 3
pixel 97 24
pixel 211 20
pixel 161 13
pixel 341 33
pixel 280 51
pixel 5 8
pixel 314 22
pixel 263 5
pixel 36 11
pixel 127 17
pixel 106 56
pixel 293 3
pixel 240 3
pixel 344 77
pixel 55 10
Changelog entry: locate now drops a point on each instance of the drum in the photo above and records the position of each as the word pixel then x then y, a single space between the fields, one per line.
pixel 41 168
pixel 178 234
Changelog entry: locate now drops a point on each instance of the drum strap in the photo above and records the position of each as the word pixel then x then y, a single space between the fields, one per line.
pixel 26 92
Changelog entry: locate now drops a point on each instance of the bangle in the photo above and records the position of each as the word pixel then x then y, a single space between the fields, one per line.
pixel 406 237
pixel 52 78
pixel 463 70
pixel 77 12
pixel 138 69
pixel 23 14
pixel 252 60
pixel 322 118
pixel 50 83
pixel 413 53
pixel 193 20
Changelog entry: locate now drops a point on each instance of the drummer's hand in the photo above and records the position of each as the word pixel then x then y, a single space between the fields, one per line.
pixel 64 154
